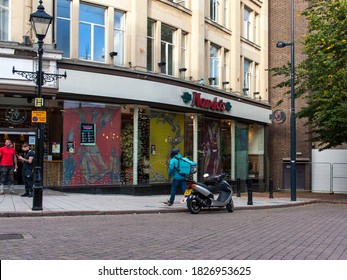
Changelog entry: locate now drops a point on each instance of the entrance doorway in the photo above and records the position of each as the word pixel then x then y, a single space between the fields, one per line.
pixel 18 136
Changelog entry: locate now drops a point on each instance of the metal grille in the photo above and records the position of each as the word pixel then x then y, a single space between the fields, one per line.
pixel 9 236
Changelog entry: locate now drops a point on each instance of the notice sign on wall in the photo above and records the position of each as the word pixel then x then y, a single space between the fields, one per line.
pixel 88 137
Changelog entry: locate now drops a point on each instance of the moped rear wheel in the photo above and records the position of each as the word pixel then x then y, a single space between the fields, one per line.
pixel 230 206
pixel 194 207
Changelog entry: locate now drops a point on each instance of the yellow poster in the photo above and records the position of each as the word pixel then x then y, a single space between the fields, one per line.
pixel 166 132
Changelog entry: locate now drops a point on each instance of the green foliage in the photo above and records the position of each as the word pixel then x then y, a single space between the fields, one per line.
pixel 322 77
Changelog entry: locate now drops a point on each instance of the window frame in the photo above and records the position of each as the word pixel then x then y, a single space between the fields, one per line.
pixel 93 29
pixel 4 21
pixel 150 49
pixel 169 52
pixel 215 64
pixel 120 57
pixel 247 77
pixel 214 10
pixel 64 20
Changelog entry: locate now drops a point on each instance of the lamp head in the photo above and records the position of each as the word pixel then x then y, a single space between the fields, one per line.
pixel 281 44
pixel 40 21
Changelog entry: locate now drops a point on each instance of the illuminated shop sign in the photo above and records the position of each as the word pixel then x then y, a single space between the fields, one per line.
pixel 205 103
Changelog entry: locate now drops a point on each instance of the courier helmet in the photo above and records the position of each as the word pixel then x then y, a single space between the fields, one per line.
pixel 174 152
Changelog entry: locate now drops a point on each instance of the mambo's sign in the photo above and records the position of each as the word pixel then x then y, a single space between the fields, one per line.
pixel 204 103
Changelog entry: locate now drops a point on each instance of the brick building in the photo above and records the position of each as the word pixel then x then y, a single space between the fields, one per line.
pixel 279 144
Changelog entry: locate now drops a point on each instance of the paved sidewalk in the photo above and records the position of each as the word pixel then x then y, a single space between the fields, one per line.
pixel 57 203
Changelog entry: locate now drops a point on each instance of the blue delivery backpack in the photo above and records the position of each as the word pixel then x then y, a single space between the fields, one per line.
pixel 186 166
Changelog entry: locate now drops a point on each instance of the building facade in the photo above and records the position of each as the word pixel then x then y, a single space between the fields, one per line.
pixel 317 171
pixel 143 76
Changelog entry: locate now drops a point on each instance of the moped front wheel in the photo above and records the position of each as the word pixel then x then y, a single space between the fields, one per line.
pixel 230 206
pixel 194 207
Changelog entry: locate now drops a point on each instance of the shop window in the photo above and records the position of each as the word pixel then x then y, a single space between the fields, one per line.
pixel 4 21
pixel 167 131
pixel 256 153
pixel 92 33
pixel 209 158
pixel 91 144
pixel 118 44
pixel 241 152
pixel 63 26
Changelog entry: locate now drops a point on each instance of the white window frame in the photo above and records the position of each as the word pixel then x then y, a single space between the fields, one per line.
pixel 214 6
pixel 69 21
pixel 247 77
pixel 4 29
pixel 165 45
pixel 93 25
pixel 183 49
pixel 119 35
pixel 247 23
pixel 151 38
pixel 215 64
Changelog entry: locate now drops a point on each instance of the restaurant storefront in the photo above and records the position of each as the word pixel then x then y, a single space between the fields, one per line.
pixel 101 135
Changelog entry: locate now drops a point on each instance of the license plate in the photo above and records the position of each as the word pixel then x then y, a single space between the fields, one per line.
pixel 187 192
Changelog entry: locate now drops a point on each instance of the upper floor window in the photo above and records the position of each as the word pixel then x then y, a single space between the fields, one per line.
pixel 180 2
pixel 63 26
pixel 214 10
pixel 4 20
pixel 246 24
pixel 183 49
pixel 92 33
pixel 118 44
pixel 167 57
pixel 214 65
pixel 150 45
pixel 247 86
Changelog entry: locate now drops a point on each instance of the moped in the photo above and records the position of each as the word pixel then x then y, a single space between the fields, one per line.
pixel 201 195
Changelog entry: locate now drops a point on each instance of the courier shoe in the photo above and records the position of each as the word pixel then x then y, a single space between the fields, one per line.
pixel 167 203
pixel 25 194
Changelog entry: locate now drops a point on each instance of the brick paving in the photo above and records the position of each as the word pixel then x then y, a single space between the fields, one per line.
pixel 309 232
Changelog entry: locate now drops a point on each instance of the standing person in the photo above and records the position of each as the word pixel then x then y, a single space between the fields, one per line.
pixel 8 165
pixel 27 171
pixel 177 179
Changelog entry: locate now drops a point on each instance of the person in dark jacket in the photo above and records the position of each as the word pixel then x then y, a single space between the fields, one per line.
pixel 27 171
pixel 177 179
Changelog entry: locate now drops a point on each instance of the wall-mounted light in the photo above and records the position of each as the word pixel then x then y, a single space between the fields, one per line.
pixel 212 80
pixel 182 72
pixel 225 83
pixel 112 54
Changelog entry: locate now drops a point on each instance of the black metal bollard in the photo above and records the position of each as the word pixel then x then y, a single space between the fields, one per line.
pixel 250 192
pixel 271 188
pixel 238 187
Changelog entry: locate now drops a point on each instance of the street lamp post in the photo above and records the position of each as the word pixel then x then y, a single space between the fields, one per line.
pixel 281 44
pixel 40 21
